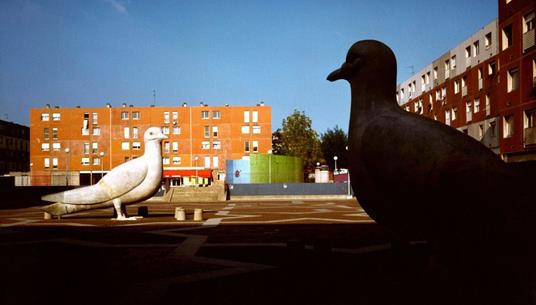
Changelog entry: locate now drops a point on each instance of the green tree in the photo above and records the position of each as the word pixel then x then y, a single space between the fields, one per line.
pixel 299 139
pixel 334 143
pixel 276 142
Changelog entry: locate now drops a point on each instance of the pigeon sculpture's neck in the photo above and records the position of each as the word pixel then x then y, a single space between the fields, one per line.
pixel 372 96
pixel 153 151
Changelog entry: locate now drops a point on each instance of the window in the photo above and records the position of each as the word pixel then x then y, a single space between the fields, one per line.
pixel 56 116
pixel 45 117
pixel 84 161
pixel 96 161
pixel 85 148
pixel 255 116
pixel 529 118
pixel 508 126
pixel 487 40
pixel 214 131
pixel 45 146
pixel 457 86
pixel 256 129
pixel 488 106
pixel 95 118
pixel 166 117
pixel 216 145
pixel 96 131
pixel 402 93
pixel 506 37
pixel 468 111
pixel 175 147
pixel 513 80
pixel 246 146
pixel 95 147
pixel 246 116
pixel 136 145
pixel 45 133
pixel 135 132
pixel 255 145
pixel 166 147
pixel 56 146
pixel 204 115
pixel 528 22
pixel 447 67
pixel 124 115
pixel 54 133
pixel 175 117
pixel 46 162
pixel 492 68
pixel 126 132
pixel 476 48
pixel 468 52
pixel 245 129
pixel 54 162
pixel 491 128
pixel 476 105
pixel 125 145
pixel 454 113
pixel 207 162
pixel 215 162
pixel 206 131
pixel 165 130
pixel 85 131
pixel 135 115
pixel 453 62
pixel 165 160
pixel 176 160
pixel 216 115
pixel 176 130
pixel 205 145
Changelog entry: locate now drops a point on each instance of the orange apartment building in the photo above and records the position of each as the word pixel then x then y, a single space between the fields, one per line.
pixel 76 146
pixel 485 86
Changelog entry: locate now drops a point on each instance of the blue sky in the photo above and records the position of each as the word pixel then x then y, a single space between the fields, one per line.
pixel 91 52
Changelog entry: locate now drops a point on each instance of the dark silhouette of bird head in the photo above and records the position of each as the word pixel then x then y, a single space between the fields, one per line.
pixel 370 65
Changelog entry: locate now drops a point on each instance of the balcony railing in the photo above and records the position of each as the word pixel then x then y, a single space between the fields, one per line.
pixel 530 136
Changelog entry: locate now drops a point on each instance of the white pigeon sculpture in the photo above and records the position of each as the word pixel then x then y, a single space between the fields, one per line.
pixel 128 183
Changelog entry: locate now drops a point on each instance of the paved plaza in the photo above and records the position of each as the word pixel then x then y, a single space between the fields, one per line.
pixel 271 252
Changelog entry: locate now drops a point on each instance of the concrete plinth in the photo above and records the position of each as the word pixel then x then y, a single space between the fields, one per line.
pixel 198 215
pixel 47 216
pixel 180 215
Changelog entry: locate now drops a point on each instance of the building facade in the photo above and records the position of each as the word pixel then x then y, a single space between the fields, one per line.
pixel 485 86
pixel 14 148
pixel 77 146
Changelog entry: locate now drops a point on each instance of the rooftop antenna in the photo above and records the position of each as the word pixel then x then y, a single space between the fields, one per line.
pixel 154 97
pixel 412 68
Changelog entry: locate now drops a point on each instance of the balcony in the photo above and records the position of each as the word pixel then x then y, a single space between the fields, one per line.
pixel 530 136
pixel 529 39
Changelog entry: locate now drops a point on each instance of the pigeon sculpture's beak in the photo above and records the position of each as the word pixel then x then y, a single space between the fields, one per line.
pixel 335 75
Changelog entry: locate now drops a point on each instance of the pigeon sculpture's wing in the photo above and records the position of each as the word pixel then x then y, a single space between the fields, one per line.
pixel 119 181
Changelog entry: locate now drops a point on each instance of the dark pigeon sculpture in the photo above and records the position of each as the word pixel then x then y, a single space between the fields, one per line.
pixel 427 181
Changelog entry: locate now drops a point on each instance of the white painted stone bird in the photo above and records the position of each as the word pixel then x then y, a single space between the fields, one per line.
pixel 128 183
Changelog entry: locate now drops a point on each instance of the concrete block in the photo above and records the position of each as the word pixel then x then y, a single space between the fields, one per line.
pixel 198 215
pixel 180 215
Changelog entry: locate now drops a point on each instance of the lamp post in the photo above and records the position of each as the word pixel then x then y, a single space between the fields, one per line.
pixel 67 151
pixel 101 154
pixel 335 158
pixel 31 174
pixel 196 158
pixel 270 166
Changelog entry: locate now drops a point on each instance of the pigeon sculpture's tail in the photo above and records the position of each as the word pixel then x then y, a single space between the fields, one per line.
pixel 59 209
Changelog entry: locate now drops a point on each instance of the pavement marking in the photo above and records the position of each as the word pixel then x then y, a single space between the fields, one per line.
pixel 223 213
pixel 212 222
